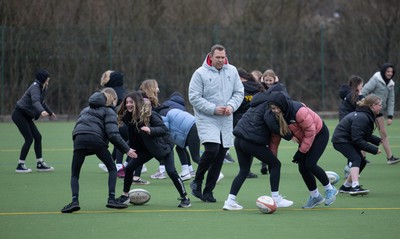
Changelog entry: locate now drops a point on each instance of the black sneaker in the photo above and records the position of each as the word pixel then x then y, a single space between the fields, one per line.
pixel 264 169
pixel 208 197
pixel 393 160
pixel 123 200
pixel 354 191
pixel 185 202
pixel 21 168
pixel 72 207
pixel 252 175
pixel 43 167
pixel 344 189
pixel 112 203
pixel 196 190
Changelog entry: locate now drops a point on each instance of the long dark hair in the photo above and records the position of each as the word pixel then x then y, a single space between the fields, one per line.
pixel 354 82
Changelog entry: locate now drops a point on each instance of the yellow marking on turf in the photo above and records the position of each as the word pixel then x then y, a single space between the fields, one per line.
pixel 193 210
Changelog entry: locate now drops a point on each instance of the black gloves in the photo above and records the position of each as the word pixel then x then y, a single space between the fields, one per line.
pixel 299 156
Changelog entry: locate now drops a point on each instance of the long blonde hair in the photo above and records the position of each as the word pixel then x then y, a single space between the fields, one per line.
pixel 150 88
pixel 283 126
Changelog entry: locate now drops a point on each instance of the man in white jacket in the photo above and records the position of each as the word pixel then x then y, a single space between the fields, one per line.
pixel 215 92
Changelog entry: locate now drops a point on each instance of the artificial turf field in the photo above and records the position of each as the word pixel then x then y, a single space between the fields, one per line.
pixel 30 204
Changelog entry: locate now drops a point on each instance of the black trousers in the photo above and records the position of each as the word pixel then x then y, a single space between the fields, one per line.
pixel 143 157
pixel 211 161
pixel 118 155
pixel 77 161
pixel 309 168
pixel 30 132
pixel 193 143
pixel 245 151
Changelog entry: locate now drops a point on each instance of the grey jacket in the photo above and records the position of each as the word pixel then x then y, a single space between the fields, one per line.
pixel 209 88
pixel 377 86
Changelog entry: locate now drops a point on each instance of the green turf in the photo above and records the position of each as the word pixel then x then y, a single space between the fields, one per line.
pixel 30 204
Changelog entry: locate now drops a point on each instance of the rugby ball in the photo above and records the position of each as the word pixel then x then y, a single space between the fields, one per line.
pixel 266 204
pixel 333 177
pixel 139 196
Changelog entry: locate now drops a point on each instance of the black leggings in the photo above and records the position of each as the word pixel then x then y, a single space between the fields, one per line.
pixel 308 168
pixel 211 161
pixel 143 157
pixel 77 161
pixel 245 150
pixel 30 133
pixel 352 154
pixel 193 143
pixel 118 155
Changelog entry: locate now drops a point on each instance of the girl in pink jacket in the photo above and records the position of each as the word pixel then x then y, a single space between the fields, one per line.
pixel 297 122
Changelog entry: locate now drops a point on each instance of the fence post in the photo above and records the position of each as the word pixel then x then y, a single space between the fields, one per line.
pixel 110 46
pixel 322 28
pixel 2 32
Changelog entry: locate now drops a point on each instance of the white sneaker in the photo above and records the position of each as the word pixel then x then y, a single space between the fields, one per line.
pixel 193 173
pixel 159 175
pixel 281 202
pixel 144 168
pixel 221 176
pixel 231 206
pixel 103 167
pixel 185 176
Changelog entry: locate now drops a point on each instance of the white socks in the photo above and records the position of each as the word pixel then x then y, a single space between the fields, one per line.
pixel 119 166
pixel 314 193
pixel 328 187
pixel 231 197
pixel 161 168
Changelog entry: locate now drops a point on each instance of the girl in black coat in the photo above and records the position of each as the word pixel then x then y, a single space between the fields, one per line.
pixel 254 138
pixel 354 134
pixel 95 127
pixel 149 136
pixel 31 107
pixel 350 94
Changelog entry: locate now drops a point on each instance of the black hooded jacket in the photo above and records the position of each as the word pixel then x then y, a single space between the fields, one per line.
pixel 357 129
pixel 252 126
pixel 250 89
pixel 32 103
pixel 99 123
pixel 347 105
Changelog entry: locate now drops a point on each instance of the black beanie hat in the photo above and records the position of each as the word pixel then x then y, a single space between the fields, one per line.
pixel 42 75
pixel 116 79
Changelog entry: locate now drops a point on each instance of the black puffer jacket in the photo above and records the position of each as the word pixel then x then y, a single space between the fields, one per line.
pixel 347 105
pixel 250 89
pixel 356 128
pixel 100 123
pixel 32 102
pixel 252 126
pixel 159 143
